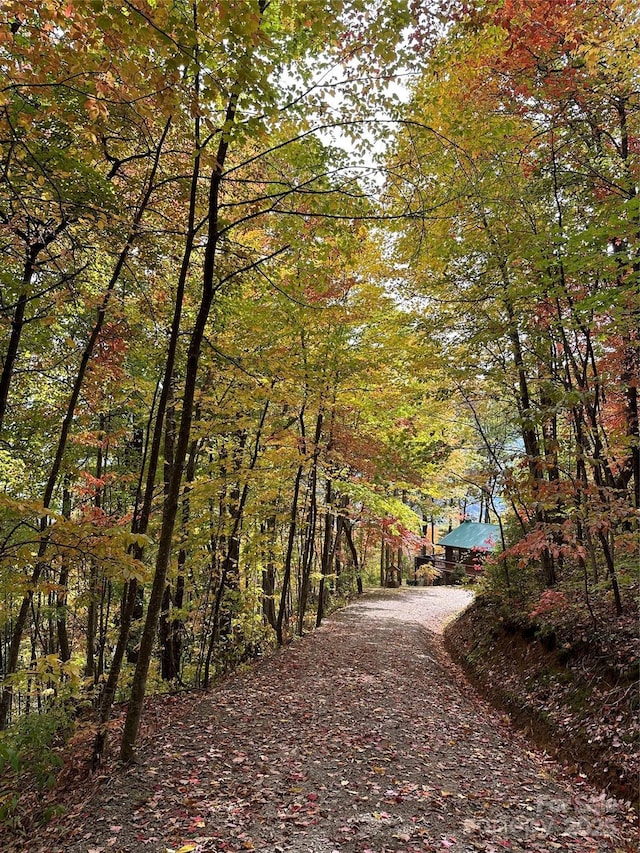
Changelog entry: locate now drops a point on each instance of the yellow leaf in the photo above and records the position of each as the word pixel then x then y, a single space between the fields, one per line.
pixel 187 848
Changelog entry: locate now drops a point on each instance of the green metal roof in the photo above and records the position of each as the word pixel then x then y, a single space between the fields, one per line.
pixel 473 534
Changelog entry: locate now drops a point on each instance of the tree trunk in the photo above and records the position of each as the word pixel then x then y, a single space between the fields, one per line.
pixel 326 552
pixel 64 647
pixel 611 570
pixel 108 695
pixel 234 508
pixel 171 629
pixel 92 611
pixel 17 324
pixel 269 574
pixel 307 555
pixel 348 533
pixel 286 575
pixel 142 514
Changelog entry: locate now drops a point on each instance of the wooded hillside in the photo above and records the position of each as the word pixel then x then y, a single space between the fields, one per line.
pixel 252 356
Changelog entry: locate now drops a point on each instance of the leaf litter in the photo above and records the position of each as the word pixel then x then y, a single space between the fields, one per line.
pixel 362 737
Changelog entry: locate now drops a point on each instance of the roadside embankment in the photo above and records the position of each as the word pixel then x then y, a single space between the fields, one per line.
pixel 573 687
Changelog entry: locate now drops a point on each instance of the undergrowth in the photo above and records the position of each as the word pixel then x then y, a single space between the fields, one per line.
pixel 31 758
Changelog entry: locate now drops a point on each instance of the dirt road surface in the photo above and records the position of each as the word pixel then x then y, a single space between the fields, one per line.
pixel 362 737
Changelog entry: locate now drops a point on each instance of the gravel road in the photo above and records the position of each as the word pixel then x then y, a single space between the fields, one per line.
pixel 363 737
pixel 432 607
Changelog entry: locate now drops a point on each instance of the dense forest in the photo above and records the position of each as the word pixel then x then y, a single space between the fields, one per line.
pixel 286 288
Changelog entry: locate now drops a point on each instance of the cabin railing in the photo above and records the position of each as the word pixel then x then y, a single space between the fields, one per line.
pixel 446 566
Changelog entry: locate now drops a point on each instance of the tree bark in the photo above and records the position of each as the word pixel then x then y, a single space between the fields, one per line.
pixel 286 576
pixel 171 629
pixel 269 574
pixel 64 647
pixel 326 551
pixel 348 534
pixel 307 555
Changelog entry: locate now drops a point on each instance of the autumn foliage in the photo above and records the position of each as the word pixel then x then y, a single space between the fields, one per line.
pixel 240 379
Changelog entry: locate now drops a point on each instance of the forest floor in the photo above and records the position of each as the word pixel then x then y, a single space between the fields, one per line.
pixel 362 737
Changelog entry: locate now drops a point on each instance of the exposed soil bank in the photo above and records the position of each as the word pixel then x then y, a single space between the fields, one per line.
pixel 574 692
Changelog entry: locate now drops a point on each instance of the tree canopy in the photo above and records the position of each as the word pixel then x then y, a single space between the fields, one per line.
pixel 286 286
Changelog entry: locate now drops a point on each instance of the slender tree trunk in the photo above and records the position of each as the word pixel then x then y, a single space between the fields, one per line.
pixel 269 573
pixel 286 576
pixel 530 439
pixel 307 556
pixel 171 629
pixel 348 534
pixel 143 513
pixel 108 695
pixel 611 570
pixel 527 419
pixel 336 551
pixel 103 624
pixel 92 622
pixel 92 610
pixel 17 325
pixel 307 562
pixel 214 629
pixel 64 647
pixel 326 551
pixel 204 657
pixel 234 508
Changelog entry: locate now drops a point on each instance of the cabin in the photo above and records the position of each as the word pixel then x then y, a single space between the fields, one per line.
pixel 465 549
